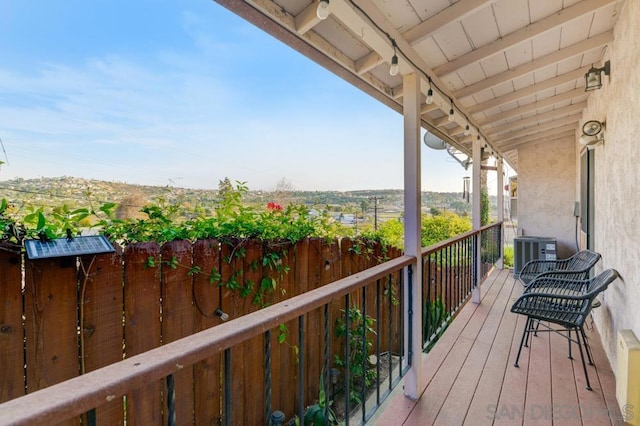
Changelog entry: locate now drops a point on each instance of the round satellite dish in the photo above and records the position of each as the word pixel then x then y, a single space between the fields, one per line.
pixel 434 142
pixel 592 128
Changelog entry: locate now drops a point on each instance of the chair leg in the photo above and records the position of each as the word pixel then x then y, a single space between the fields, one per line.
pixel 528 328
pixel 525 332
pixel 584 365
pixel 569 341
pixel 586 345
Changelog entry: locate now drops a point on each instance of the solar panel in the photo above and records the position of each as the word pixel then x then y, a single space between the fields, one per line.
pixel 61 247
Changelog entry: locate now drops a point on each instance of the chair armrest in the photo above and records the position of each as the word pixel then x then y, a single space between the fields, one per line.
pixel 569 280
pixel 554 307
pixel 537 266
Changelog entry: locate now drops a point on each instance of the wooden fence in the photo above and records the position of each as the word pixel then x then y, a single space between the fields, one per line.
pixel 62 317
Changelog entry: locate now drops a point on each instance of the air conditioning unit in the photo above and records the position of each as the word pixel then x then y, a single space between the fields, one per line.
pixel 532 248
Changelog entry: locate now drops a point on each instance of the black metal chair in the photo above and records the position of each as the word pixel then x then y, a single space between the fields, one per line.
pixel 576 267
pixel 563 302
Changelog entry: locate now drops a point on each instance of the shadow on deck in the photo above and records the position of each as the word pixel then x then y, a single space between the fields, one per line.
pixel 469 377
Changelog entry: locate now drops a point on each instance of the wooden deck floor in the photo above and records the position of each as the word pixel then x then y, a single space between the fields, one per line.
pixel 469 377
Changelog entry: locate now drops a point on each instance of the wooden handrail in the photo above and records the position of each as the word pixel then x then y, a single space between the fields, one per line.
pixel 83 393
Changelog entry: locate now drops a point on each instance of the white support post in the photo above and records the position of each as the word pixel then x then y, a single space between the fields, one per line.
pixel 499 171
pixel 412 233
pixel 475 215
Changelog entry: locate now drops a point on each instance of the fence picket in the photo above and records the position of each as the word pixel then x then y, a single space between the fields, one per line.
pixel 142 326
pixel 11 339
pixel 101 310
pixel 206 298
pixel 178 319
pixel 51 320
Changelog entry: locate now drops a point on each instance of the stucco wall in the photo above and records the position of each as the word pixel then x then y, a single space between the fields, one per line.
pixel 617 180
pixel 546 192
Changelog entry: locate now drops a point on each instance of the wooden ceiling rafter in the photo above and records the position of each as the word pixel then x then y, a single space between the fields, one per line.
pixel 523 34
pixel 523 123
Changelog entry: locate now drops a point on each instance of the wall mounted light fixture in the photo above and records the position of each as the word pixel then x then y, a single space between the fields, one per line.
pixel 593 78
pixel 592 133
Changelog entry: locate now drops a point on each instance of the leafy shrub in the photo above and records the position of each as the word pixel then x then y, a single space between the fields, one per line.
pixel 442 227
pixel 508 256
pixel 360 342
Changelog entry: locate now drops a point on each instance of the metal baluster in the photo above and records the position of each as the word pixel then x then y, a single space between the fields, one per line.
pixel 390 327
pixel 267 373
pixel 457 274
pixel 301 368
pixel 410 311
pixel 91 417
pixel 347 357
pixel 364 353
pixel 378 342
pixel 475 278
pixel 401 316
pixel 326 373
pixel 171 401
pixel 227 387
pixel 426 291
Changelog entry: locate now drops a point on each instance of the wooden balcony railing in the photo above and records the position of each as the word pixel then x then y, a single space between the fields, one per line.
pixel 366 309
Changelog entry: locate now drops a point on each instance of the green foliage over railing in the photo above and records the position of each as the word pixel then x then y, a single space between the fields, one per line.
pixel 163 222
pixel 442 227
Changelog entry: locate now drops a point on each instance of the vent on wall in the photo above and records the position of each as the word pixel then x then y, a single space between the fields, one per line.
pixel 627 373
pixel 532 248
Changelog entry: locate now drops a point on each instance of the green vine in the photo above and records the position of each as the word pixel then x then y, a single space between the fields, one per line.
pixel 360 344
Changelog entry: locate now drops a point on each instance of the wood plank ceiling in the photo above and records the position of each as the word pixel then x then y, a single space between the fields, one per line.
pixel 512 69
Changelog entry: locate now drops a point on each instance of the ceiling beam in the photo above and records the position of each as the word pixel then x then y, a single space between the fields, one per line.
pixel 453 13
pixel 368 62
pixel 428 108
pixel 532 66
pixel 550 125
pixel 530 90
pixel 549 136
pixel 307 18
pixel 552 100
pixel 500 45
pixel 570 109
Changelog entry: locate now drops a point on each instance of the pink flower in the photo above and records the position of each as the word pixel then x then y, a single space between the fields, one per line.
pixel 274 206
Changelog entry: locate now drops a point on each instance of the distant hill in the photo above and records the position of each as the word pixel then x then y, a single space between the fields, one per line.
pixel 79 192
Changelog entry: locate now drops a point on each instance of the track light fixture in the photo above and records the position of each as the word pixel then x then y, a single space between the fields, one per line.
pixel 429 100
pixel 322 11
pixel 467 130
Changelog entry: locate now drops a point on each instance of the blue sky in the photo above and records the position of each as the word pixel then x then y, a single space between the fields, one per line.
pixel 185 93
